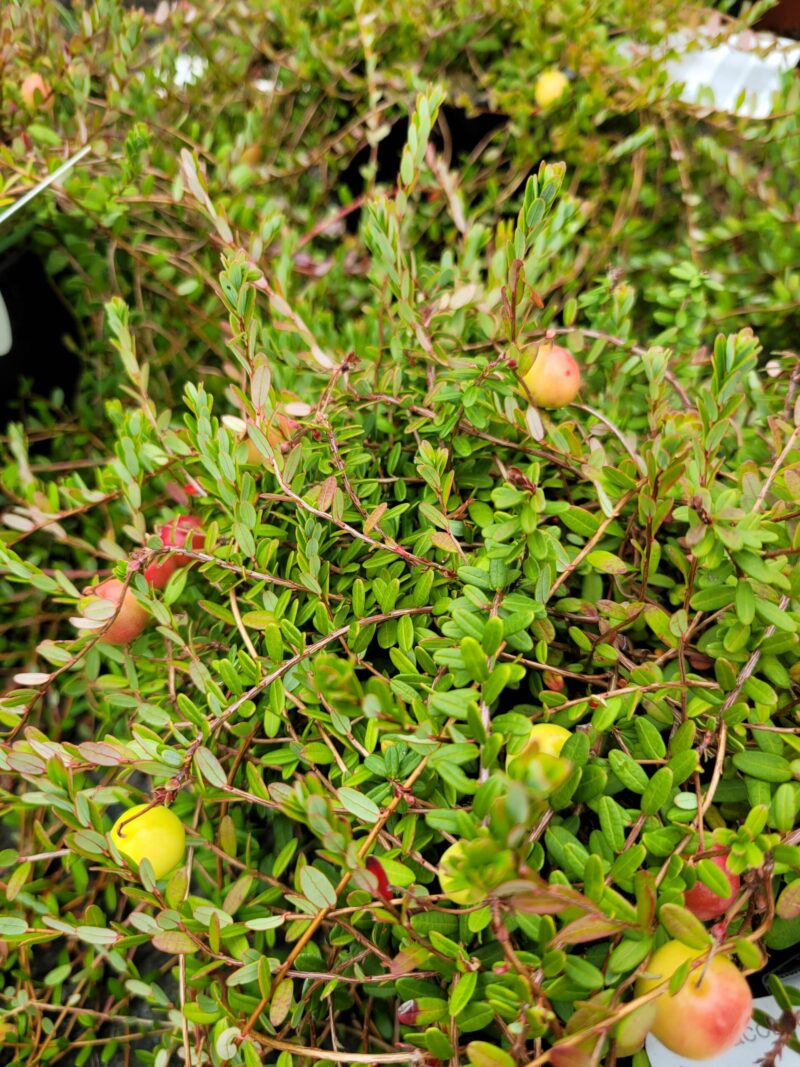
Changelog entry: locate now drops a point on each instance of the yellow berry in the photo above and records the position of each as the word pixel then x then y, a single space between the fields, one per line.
pixel 550 85
pixel 155 834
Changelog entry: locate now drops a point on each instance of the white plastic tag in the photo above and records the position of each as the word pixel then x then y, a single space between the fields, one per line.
pixel 5 329
pixel 754 1043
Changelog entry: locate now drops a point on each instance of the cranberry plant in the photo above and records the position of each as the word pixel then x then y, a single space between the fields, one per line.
pixel 392 564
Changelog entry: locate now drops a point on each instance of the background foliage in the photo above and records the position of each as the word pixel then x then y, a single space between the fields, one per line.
pixel 388 598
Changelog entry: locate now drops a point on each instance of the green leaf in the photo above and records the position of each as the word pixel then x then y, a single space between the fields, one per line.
pixel 43 134
pixel 252 1055
pixel 683 926
pixel 763 766
pixel 657 792
pixel 775 615
pixel 612 822
pixel 265 922
pixel 750 955
pixel 17 881
pixel 492 635
pixel 745 602
pixel 713 877
pixel 474 659
pixel 683 765
pixel 210 768
pixel 97 935
pixel 628 771
pixel 628 954
pixel 453 703
pixel 482 1054
pixel 583 973
pixel 317 889
pixel 580 521
pixel 650 738
pixel 463 992
pixel 438 1044
pixel 364 809
pixel 783 808
pixel 713 597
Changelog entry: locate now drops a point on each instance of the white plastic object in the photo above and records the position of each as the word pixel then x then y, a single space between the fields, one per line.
pixel 6 338
pixel 738 74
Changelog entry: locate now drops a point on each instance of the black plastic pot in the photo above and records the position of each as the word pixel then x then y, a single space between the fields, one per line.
pixel 38 336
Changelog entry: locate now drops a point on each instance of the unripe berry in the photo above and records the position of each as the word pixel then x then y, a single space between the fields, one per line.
pixel 550 85
pixel 155 834
pixel 710 1011
pixel 554 377
pixel 546 737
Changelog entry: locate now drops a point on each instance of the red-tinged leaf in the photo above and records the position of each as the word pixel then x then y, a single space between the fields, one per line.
pixel 444 541
pixel 281 1001
pixel 326 492
pixel 535 897
pixel 374 517
pixel 100 753
pixel 375 867
pixel 174 942
pixel 227 835
pixel 406 961
pixel 571 1055
pixel 25 763
pixel 586 928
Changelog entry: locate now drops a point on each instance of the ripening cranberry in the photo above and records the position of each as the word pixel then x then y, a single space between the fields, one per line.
pixel 36 92
pixel 708 1014
pixel 704 902
pixel 131 618
pixel 174 534
pixel 554 377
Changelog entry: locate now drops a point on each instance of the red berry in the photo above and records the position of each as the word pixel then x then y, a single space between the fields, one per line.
pixel 174 534
pixel 704 902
